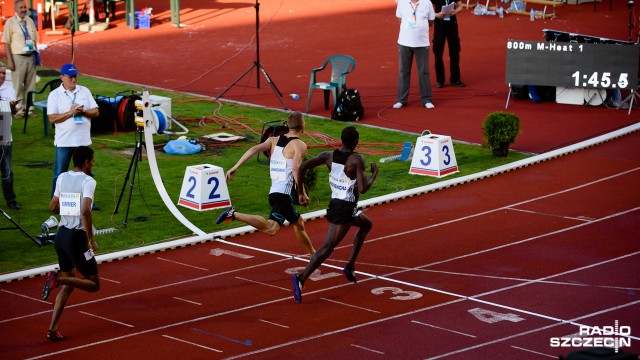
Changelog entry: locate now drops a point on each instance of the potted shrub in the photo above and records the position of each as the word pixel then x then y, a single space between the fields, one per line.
pixel 501 129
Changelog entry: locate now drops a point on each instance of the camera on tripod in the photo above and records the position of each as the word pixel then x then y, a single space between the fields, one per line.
pixel 139 117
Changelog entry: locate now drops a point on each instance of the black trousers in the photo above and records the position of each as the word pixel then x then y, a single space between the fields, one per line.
pixel 446 31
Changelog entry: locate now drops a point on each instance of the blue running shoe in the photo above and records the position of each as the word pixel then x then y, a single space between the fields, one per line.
pixel 297 289
pixel 350 275
pixel 227 215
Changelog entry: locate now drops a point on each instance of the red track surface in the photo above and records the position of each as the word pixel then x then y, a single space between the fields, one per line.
pixel 550 242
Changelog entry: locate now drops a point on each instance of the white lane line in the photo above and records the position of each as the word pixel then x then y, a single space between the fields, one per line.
pixel 349 305
pixel 272 323
pixel 106 279
pixel 535 352
pixel 581 218
pixel 441 328
pixel 365 348
pixel 24 296
pixel 106 319
pixel 192 343
pixel 506 207
pixel 183 264
pixel 177 283
pixel 262 283
pixel 189 301
pixel 402 269
pixel 570 321
pixel 556 232
pixel 529 280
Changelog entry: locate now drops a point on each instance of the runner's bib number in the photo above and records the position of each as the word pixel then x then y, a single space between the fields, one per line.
pixel 278 169
pixel 70 204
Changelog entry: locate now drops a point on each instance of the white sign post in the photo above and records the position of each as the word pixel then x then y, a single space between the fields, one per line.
pixel 434 156
pixel 204 188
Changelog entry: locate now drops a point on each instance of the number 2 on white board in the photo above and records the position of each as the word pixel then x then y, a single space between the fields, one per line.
pixel 212 194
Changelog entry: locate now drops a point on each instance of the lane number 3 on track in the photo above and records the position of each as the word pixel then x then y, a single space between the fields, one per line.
pixel 398 293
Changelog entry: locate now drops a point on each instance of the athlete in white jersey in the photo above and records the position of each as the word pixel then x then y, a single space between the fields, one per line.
pixel 348 180
pixel 287 152
pixel 73 197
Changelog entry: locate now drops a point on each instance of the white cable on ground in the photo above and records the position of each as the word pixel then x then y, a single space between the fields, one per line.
pixel 204 237
pixel 153 165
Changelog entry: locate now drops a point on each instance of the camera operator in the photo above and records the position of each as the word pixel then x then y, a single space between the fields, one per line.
pixel 70 108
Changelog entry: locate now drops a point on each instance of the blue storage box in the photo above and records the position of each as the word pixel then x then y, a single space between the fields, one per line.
pixel 143 21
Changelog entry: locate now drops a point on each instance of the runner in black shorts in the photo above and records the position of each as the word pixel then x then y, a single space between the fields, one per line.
pixel 71 245
pixel 286 153
pixel 342 212
pixel 282 209
pixel 347 180
pixel 73 197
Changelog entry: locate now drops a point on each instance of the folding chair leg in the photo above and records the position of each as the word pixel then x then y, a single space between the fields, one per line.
pixel 26 117
pixel 326 99
pixel 45 119
pixel 309 100
pixel 335 96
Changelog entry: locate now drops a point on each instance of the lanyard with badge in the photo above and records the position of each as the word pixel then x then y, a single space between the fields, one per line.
pixel 77 118
pixel 413 21
pixel 446 17
pixel 27 38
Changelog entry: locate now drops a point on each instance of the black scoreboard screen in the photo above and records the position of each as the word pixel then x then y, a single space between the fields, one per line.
pixel 572 64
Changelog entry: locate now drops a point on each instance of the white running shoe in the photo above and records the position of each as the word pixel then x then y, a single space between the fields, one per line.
pixel 397 105
pixel 429 105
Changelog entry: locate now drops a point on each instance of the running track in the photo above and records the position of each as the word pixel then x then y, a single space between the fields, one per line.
pixel 491 269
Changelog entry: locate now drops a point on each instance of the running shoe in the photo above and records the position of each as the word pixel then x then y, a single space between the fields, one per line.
pixel 52 283
pixel 227 216
pixel 297 289
pixel 350 275
pixel 54 336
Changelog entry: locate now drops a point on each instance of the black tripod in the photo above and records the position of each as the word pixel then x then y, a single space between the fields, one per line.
pixel 257 65
pixel 633 95
pixel 137 156
pixel 17 226
pixel 630 7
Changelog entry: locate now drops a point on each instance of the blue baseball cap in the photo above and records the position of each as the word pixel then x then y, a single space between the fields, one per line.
pixel 69 70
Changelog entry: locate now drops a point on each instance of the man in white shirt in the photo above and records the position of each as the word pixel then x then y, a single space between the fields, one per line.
pixel 7 93
pixel 20 38
pixel 70 108
pixel 416 17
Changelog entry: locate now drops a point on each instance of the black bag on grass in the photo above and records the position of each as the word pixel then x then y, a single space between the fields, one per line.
pixel 348 107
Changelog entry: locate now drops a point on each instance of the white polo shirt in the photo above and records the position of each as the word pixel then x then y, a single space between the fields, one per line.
pixel 7 93
pixel 414 25
pixel 69 133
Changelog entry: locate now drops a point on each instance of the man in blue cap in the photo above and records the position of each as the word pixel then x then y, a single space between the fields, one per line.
pixel 70 108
